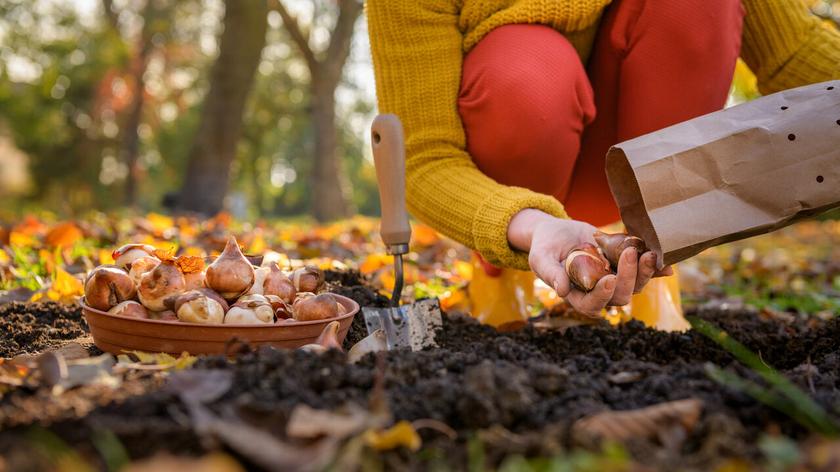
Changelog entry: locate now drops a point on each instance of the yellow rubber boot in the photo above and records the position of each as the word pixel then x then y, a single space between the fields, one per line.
pixel 659 305
pixel 500 297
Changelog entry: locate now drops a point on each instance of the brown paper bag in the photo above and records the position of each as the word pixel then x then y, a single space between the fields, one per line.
pixel 731 174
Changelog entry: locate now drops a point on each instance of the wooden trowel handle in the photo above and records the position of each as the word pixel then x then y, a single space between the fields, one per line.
pixel 386 137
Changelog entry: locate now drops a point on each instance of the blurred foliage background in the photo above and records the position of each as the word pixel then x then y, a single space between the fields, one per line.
pixel 103 104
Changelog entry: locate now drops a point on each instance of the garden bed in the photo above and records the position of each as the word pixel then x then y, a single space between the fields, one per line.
pixel 502 394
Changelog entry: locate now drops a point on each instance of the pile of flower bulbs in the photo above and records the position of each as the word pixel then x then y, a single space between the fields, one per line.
pixel 151 284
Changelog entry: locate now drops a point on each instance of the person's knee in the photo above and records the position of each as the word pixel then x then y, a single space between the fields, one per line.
pixel 524 101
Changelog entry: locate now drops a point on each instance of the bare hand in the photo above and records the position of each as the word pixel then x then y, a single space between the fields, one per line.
pixel 548 240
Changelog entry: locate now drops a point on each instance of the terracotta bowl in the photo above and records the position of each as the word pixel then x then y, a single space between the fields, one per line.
pixel 116 334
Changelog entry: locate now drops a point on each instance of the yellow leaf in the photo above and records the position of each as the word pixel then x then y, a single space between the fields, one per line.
pixel 21 239
pixel 401 434
pixel 258 245
pixel 463 269
pixel 4 258
pixel 65 286
pixel 105 257
pixel 159 223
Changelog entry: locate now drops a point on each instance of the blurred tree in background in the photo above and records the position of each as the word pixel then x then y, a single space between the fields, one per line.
pixel 108 102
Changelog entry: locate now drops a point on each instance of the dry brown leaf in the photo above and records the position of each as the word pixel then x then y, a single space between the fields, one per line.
pixel 647 422
pixel 306 422
pixel 190 264
pixel 167 255
pixel 216 462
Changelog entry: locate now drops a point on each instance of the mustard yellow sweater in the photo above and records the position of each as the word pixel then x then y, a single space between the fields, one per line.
pixel 418 48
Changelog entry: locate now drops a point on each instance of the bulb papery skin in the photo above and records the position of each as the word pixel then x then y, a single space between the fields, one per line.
pixel 612 245
pixel 131 309
pixel 201 309
pixel 585 267
pixel 194 280
pixel 161 286
pixel 230 274
pixel 127 254
pixel 329 336
pixel 279 284
pixel 318 307
pixel 142 265
pixel 260 274
pixel 246 315
pixel 108 286
pixel 308 279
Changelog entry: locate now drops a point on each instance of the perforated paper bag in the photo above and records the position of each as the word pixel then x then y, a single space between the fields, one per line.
pixel 731 174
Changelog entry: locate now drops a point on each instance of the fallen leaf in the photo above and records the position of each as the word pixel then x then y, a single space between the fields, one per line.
pixel 645 422
pixel 63 235
pixel 190 264
pixel 155 361
pixel 306 422
pixel 401 434
pixel 215 462
pixel 200 385
pixel 62 374
pixel 65 289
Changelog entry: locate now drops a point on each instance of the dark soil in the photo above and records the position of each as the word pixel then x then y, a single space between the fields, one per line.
pixel 532 383
pixel 35 327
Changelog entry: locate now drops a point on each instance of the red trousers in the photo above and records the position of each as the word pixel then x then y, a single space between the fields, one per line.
pixel 535 117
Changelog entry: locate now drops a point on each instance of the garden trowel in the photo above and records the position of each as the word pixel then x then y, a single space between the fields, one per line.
pixel 408 326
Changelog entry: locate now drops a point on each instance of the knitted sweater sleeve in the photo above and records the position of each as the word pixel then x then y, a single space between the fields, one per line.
pixel 417 57
pixel 786 46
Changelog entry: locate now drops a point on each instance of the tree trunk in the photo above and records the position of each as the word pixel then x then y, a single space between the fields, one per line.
pixel 130 148
pixel 214 146
pixel 328 191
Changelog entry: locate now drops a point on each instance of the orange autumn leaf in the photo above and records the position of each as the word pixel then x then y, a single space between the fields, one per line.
pixel 63 235
pixel 374 262
pixel 165 254
pixel 424 235
pixel 30 226
pixel 189 264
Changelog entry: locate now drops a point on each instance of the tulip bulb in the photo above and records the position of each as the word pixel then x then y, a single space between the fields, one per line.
pixel 193 269
pixel 127 254
pixel 259 279
pixel 279 284
pixel 130 309
pixel 585 267
pixel 250 309
pixel 329 336
pixel 318 307
pixel 612 245
pixel 161 286
pixel 201 306
pixel 308 279
pixel 142 265
pixel 374 342
pixel 230 274
pixel 108 286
